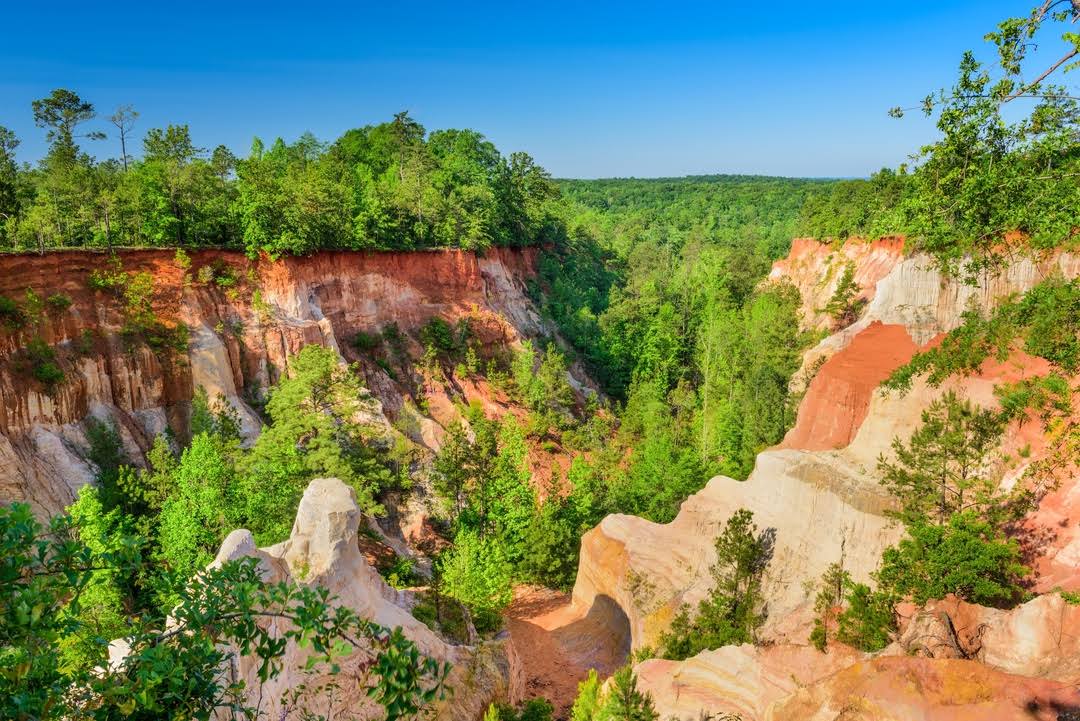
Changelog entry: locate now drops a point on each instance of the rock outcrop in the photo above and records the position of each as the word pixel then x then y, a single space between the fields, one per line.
pixel 921 689
pixel 818 509
pixel 818 492
pixel 743 680
pixel 322 551
pixel 1040 638
pixel 245 318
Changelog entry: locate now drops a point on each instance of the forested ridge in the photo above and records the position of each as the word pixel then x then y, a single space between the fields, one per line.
pixel 387 186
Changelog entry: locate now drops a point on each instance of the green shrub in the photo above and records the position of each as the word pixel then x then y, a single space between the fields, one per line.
pixel 401 573
pixel 182 259
pixel 365 342
pixel 734 610
pixel 43 365
pixel 477 573
pixel 845 305
pixel 446 342
pixel 11 315
pixel 868 622
pixel 58 302
pixel 84 344
pixel 535 709
pixel 108 281
pixel 967 557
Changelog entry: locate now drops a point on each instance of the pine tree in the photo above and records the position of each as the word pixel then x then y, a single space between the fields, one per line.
pixel 625 702
pixel 943 469
pixel 845 304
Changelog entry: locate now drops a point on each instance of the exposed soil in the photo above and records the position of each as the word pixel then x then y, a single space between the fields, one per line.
pixel 558 644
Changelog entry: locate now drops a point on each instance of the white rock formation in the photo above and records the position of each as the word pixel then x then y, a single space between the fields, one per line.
pixel 322 551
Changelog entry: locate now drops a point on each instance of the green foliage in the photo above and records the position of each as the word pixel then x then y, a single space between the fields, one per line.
pixel 734 609
pixel 588 700
pixel 98 613
pixel 997 177
pixel 943 468
pixel 679 329
pixel 401 573
pixel 477 572
pixel 968 557
pixel 845 304
pixel 552 544
pixel 543 387
pixel 11 315
pixel 316 430
pixel 388 186
pixel 868 621
pixel 724 210
pixel 58 302
pixel 624 702
pixel 857 208
pixel 50 592
pixel 441 336
pixel 1046 318
pixel 41 359
pixel 365 342
pixel 200 510
pixel 106 452
pixel 834 584
pixel 216 418
pixel 956 521
pixel 135 293
pixel 535 709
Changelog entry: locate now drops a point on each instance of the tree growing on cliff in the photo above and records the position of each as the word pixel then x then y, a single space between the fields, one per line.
pixel 734 610
pixel 869 620
pixel 845 304
pixel 956 521
pixel 831 592
pixel 969 557
pixel 945 467
pixel 624 702
pixel 317 429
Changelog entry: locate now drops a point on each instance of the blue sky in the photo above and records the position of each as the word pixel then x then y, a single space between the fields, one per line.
pixel 589 89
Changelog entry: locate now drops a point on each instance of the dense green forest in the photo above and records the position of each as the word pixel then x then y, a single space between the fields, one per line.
pixel 658 289
pixel 387 186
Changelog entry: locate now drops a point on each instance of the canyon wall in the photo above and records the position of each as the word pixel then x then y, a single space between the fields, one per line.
pixel 245 318
pixel 819 494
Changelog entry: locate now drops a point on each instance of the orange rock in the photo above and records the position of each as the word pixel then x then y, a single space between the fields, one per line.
pixel 921 689
pixel 240 343
pixel 837 399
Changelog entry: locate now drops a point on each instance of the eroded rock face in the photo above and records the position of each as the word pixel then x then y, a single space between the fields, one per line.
pixel 322 551
pixel 1040 638
pixel 818 507
pixel 922 689
pixel 838 398
pixel 241 339
pixel 815 268
pixel 743 680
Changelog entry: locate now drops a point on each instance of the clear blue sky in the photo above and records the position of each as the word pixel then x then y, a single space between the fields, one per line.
pixel 590 89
